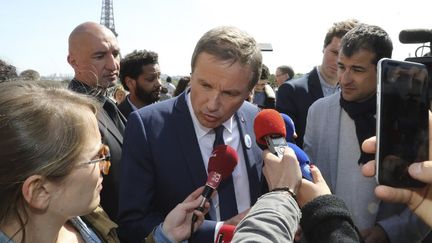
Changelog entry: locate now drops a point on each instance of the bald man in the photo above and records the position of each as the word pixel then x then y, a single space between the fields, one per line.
pixel 94 55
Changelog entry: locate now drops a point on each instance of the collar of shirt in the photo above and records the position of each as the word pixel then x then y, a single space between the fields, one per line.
pixel 327 88
pixel 205 137
pixel 201 130
pixel 81 87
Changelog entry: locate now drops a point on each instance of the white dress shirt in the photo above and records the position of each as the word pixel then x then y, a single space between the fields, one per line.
pixel 231 134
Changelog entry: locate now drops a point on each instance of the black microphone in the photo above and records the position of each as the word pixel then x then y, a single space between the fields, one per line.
pixel 412 36
pixel 221 164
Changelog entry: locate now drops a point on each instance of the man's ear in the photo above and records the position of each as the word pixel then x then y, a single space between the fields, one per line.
pixel 35 192
pixel 130 83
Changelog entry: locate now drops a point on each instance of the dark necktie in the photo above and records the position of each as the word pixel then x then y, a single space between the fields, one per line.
pixel 113 113
pixel 227 199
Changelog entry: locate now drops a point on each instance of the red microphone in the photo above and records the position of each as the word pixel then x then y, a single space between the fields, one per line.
pixel 225 234
pixel 221 164
pixel 270 131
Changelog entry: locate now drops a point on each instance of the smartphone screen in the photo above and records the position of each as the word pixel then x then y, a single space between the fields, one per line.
pixel 402 121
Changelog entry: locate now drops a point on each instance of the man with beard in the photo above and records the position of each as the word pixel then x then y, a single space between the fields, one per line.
pixel 140 75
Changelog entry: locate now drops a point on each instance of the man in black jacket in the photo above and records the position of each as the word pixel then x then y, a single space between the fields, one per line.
pixel 94 55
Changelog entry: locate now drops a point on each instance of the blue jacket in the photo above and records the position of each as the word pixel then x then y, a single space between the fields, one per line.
pixel 162 165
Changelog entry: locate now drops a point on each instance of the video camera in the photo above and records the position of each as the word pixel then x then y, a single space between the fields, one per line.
pixel 423 36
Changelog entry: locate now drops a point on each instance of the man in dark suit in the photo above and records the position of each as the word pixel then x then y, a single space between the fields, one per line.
pixel 283 74
pixel 296 96
pixel 94 55
pixel 140 75
pixel 168 144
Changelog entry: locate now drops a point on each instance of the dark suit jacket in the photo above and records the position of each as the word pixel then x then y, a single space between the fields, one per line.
pixel 162 164
pixel 113 138
pixel 294 98
pixel 125 107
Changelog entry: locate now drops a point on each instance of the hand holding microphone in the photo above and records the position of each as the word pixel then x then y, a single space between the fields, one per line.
pixel 177 223
pixel 283 173
pixel 221 164
pixel 270 132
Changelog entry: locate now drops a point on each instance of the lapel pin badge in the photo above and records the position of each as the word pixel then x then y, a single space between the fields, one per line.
pixel 248 141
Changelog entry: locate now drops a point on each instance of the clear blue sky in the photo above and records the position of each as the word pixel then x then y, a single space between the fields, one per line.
pixel 34 33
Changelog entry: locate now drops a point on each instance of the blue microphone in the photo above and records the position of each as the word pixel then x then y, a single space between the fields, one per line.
pixel 303 159
pixel 301 155
pixel 289 126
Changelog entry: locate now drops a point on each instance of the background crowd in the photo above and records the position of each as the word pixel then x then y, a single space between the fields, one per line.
pixel 120 155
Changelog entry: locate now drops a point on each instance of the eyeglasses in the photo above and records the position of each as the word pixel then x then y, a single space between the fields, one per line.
pixel 104 160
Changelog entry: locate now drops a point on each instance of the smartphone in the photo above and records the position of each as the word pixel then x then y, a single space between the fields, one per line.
pixel 402 121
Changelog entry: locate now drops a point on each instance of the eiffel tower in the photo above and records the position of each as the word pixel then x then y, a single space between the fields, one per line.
pixel 107 15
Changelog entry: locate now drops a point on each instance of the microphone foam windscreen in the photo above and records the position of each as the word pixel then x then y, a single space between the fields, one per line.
pixel 289 126
pixel 415 36
pixel 223 160
pixel 225 233
pixel 268 122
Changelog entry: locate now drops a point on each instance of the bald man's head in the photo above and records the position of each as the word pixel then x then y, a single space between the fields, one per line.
pixel 94 55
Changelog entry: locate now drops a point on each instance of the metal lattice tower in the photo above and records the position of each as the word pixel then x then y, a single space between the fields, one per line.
pixel 107 15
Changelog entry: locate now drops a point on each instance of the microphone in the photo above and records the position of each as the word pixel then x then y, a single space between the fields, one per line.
pixel 225 234
pixel 270 131
pixel 289 127
pixel 415 36
pixel 301 155
pixel 303 159
pixel 221 164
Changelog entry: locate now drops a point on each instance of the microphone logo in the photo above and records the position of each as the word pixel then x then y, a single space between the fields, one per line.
pixel 214 179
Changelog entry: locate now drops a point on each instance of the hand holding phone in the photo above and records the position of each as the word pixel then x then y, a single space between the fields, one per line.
pixel 402 121
pixel 419 200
